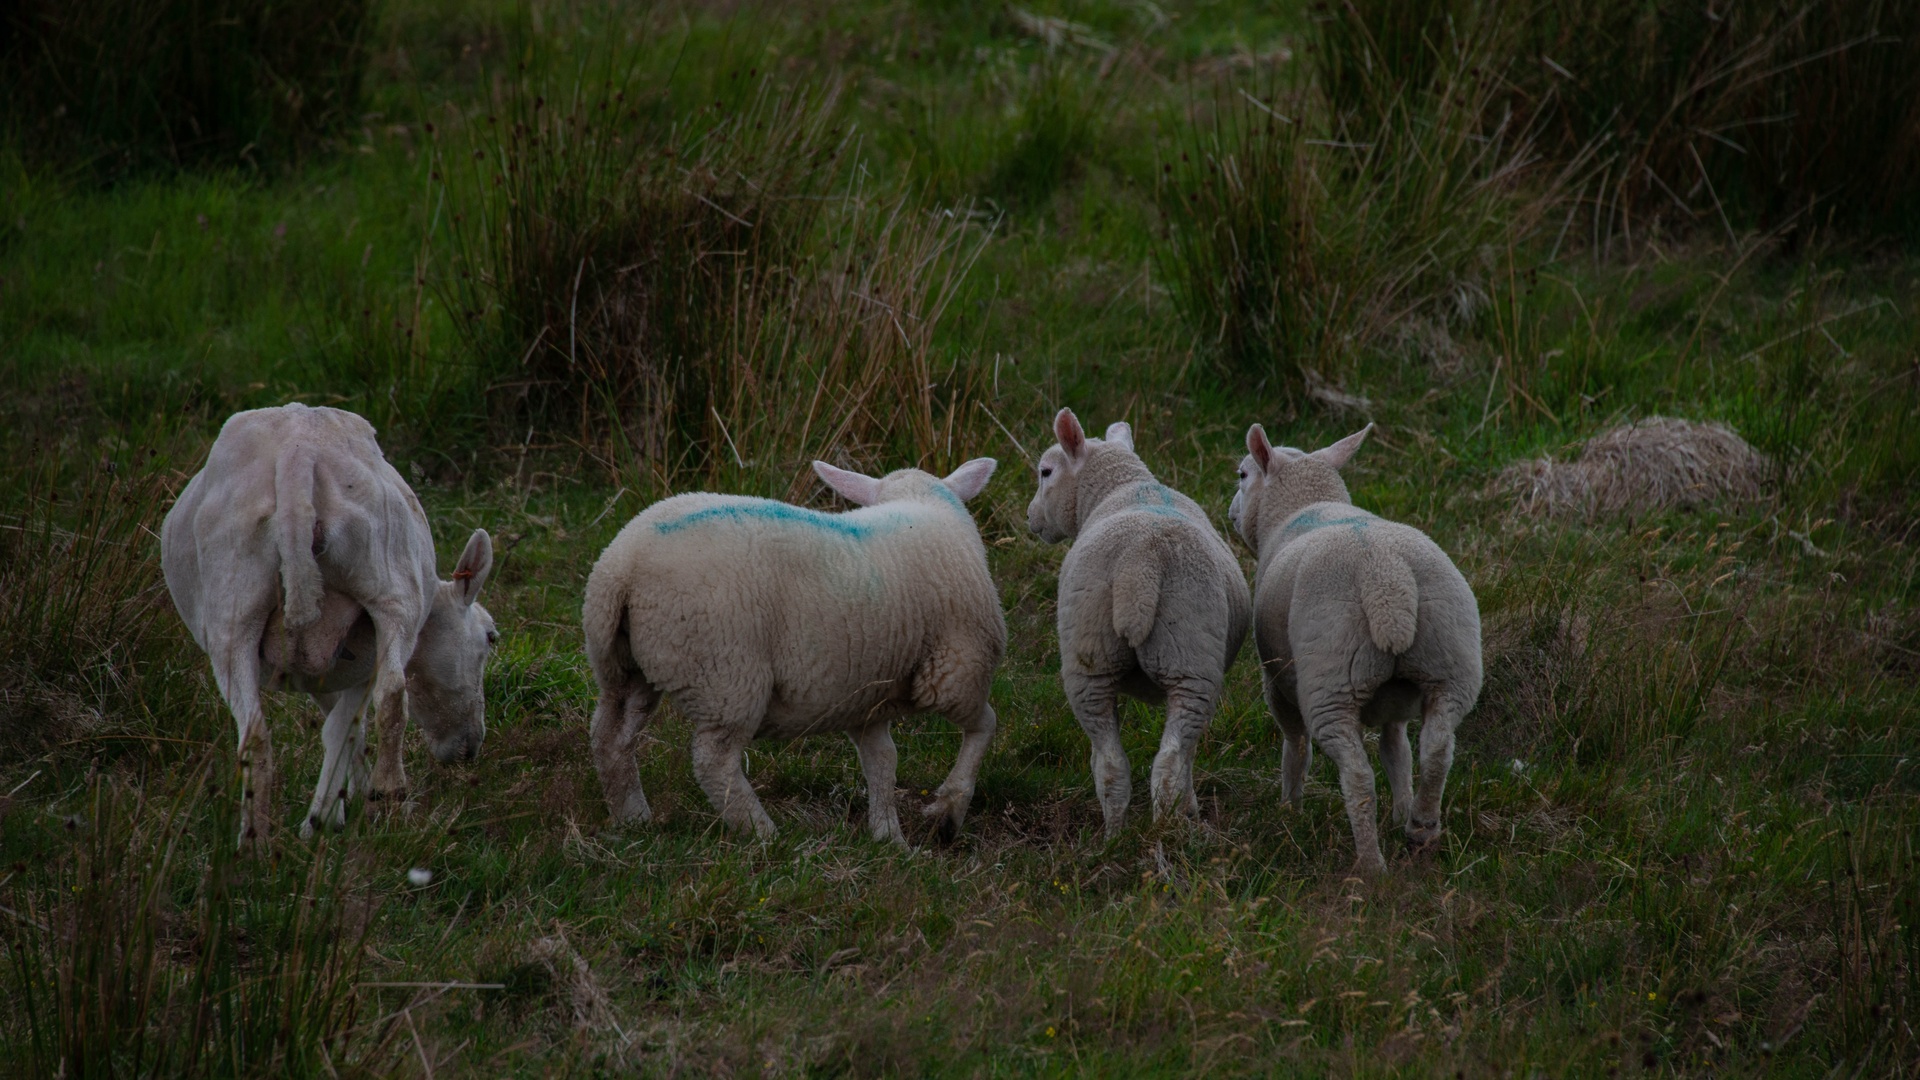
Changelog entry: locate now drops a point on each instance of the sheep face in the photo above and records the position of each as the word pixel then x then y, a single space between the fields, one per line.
pixel 1276 481
pixel 445 678
pixel 1053 515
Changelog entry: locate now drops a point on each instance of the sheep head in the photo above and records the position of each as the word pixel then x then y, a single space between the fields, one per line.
pixel 1276 481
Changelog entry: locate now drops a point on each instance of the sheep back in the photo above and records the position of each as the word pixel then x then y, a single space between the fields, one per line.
pixel 839 619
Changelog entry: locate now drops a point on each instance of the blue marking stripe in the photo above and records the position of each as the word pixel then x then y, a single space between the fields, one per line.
pixel 779 512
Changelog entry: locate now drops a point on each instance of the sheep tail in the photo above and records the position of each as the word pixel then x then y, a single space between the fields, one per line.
pixel 609 651
pixel 1136 594
pixel 1391 600
pixel 298 534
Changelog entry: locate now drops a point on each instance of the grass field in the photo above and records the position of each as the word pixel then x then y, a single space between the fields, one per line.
pixel 1681 831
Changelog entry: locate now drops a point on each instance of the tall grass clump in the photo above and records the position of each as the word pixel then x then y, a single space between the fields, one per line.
pixel 1753 115
pixel 82 598
pixel 1746 115
pixel 679 285
pixel 122 84
pixel 1051 142
pixel 136 963
pixel 1300 233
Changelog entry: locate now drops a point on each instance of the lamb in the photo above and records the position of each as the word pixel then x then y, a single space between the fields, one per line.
pixel 767 620
pixel 300 560
pixel 1357 620
pixel 1152 603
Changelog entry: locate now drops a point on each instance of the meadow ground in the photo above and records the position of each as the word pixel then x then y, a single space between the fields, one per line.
pixel 1680 834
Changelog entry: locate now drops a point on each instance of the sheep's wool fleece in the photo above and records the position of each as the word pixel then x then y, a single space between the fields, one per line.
pixel 1148 581
pixel 832 620
pixel 1346 597
pixel 1640 467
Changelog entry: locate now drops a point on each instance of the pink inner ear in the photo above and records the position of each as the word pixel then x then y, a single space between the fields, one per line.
pixel 854 487
pixel 1066 428
pixel 1259 447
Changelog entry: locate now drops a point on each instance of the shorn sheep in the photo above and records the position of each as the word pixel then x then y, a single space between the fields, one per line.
pixel 770 621
pixel 1152 603
pixel 1358 620
pixel 300 560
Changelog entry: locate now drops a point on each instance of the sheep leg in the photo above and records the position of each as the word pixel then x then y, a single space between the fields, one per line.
pixel 955 795
pixel 718 766
pixel 618 719
pixel 1093 701
pixel 879 761
pixel 1442 713
pixel 1338 733
pixel 1296 750
pixel 329 806
pixel 237 672
pixel 395 645
pixel 1396 758
pixel 359 771
pixel 1188 710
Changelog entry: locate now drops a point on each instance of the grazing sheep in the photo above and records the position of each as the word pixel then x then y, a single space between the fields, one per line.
pixel 300 560
pixel 1357 620
pixel 1152 603
pixel 766 620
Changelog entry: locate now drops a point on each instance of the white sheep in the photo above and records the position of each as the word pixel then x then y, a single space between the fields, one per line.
pixel 767 620
pixel 300 560
pixel 1358 620
pixel 1152 603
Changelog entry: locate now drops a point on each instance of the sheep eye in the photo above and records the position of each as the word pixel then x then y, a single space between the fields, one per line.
pixel 493 637
pixel 1243 474
pixel 1046 472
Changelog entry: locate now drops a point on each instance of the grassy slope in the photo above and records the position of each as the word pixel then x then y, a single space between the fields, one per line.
pixel 1680 824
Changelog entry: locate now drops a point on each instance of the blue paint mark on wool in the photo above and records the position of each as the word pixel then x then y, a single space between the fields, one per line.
pixel 778 512
pixel 1309 520
pixel 1155 498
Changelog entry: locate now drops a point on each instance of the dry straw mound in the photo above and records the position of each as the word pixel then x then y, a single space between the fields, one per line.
pixel 1636 468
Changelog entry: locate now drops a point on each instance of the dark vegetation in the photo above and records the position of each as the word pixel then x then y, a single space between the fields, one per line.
pixel 570 260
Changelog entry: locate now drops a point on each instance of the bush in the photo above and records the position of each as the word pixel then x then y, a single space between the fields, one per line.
pixel 1300 233
pixel 675 285
pixel 1748 115
pixel 123 84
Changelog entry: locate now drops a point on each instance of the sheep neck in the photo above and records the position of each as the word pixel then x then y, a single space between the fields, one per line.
pixel 1299 485
pixel 1108 470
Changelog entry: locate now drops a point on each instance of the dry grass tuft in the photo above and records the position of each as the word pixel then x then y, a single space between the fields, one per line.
pixel 1640 467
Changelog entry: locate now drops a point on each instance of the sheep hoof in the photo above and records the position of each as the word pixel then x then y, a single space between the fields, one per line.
pixel 1370 869
pixel 1422 832
pixel 947 816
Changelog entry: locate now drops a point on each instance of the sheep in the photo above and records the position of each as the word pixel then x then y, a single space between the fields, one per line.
pixel 300 560
pixel 1357 620
pixel 767 620
pixel 1152 604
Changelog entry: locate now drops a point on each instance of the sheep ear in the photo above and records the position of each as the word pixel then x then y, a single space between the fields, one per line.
pixel 968 480
pixel 470 573
pixel 854 487
pixel 1121 433
pixel 1072 438
pixel 1259 447
pixel 1341 452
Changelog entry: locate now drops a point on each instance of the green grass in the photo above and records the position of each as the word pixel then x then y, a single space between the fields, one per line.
pixel 1681 827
